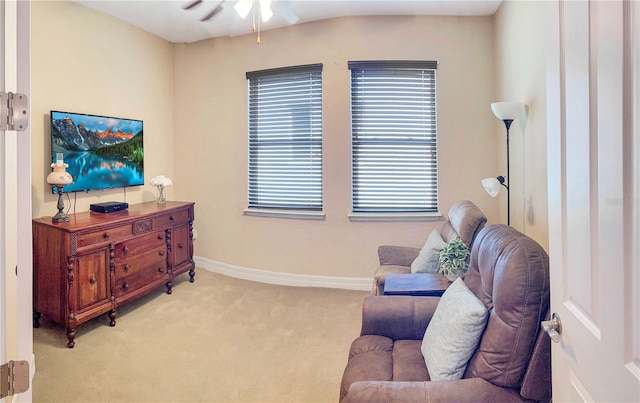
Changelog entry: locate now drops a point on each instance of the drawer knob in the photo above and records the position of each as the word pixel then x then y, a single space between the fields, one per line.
pixel 172 217
pixel 92 280
pixel 125 286
pixel 106 235
pixel 180 245
pixel 160 270
pixel 161 253
pixel 125 249
pixel 126 267
pixel 160 237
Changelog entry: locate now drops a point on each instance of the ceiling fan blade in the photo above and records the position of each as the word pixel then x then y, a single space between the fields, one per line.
pixel 192 5
pixel 283 9
pixel 213 12
pixel 243 7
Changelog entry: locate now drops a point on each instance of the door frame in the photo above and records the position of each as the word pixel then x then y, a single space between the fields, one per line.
pixel 16 182
pixel 3 303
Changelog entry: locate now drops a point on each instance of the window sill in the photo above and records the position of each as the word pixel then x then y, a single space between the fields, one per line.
pixel 397 217
pixel 291 214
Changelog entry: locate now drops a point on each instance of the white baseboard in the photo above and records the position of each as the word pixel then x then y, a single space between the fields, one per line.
pixel 289 279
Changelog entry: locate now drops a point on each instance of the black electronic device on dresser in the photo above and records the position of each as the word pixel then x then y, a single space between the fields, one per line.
pixel 108 207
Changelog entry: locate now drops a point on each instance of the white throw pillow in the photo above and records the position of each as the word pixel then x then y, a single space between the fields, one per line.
pixel 427 260
pixel 453 333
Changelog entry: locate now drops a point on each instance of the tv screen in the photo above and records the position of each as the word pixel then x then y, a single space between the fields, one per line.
pixel 102 152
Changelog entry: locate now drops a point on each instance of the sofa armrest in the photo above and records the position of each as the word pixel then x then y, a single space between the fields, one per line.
pixel 472 390
pixel 397 255
pixel 397 317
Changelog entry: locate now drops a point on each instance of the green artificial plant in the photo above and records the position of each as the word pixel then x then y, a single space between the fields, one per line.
pixel 453 258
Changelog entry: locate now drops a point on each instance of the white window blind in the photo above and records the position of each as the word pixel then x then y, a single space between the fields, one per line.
pixel 393 136
pixel 285 138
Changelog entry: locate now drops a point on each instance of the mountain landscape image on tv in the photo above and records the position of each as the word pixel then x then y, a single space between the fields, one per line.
pixel 102 152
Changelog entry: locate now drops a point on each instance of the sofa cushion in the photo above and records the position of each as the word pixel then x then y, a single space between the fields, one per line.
pixel 408 364
pixel 378 358
pixel 465 221
pixel 453 333
pixel 427 260
pixel 509 273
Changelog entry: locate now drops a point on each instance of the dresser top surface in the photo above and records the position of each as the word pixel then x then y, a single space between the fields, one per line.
pixel 89 219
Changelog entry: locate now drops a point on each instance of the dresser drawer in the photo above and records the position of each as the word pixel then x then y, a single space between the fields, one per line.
pixel 142 278
pixel 172 218
pixel 156 258
pixel 112 234
pixel 135 246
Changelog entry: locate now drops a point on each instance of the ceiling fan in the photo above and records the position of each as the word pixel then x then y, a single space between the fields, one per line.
pixel 211 12
pixel 244 7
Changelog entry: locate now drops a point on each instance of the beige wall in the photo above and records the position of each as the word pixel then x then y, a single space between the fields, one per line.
pixel 520 76
pixel 87 62
pixel 211 136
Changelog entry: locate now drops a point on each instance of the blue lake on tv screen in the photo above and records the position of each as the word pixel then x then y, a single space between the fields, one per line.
pixel 91 171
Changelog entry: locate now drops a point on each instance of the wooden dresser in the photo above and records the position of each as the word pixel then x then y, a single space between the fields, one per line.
pixel 97 262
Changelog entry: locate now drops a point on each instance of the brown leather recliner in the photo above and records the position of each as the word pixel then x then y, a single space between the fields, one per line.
pixel 509 273
pixel 464 220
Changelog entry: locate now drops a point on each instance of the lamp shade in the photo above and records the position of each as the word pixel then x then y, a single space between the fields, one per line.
pixel 59 176
pixel 492 186
pixel 507 110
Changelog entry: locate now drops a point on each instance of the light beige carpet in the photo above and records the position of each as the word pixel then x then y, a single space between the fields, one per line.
pixel 219 339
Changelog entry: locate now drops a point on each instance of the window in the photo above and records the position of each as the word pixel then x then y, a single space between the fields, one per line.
pixel 393 137
pixel 285 138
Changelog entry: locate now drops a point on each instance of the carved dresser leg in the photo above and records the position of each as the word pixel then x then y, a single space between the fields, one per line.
pixel 36 318
pixel 112 316
pixel 169 285
pixel 71 335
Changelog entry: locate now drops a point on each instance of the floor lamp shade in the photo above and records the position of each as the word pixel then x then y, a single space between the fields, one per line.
pixel 492 186
pixel 507 110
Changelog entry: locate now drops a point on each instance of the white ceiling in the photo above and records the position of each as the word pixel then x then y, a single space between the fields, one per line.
pixel 167 18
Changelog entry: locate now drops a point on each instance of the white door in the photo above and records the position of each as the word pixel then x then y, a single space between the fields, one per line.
pixel 593 111
pixel 16 338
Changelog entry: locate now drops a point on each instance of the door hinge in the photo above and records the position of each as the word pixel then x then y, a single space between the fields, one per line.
pixel 14 111
pixel 14 378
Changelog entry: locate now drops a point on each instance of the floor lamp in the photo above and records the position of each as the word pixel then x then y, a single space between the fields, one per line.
pixel 507 112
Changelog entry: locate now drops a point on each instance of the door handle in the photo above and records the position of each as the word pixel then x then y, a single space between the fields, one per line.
pixel 553 327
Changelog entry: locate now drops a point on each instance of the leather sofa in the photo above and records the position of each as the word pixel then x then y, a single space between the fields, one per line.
pixel 509 274
pixel 464 220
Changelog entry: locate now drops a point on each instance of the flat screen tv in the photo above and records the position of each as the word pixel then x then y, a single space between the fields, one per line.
pixel 102 152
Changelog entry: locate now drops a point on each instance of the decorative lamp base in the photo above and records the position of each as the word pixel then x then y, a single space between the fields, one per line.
pixel 60 215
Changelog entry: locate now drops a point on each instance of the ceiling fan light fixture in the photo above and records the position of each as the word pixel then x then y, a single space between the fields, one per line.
pixel 265 10
pixel 243 7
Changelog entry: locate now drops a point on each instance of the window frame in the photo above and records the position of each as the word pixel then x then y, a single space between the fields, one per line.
pixel 366 101
pixel 277 169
